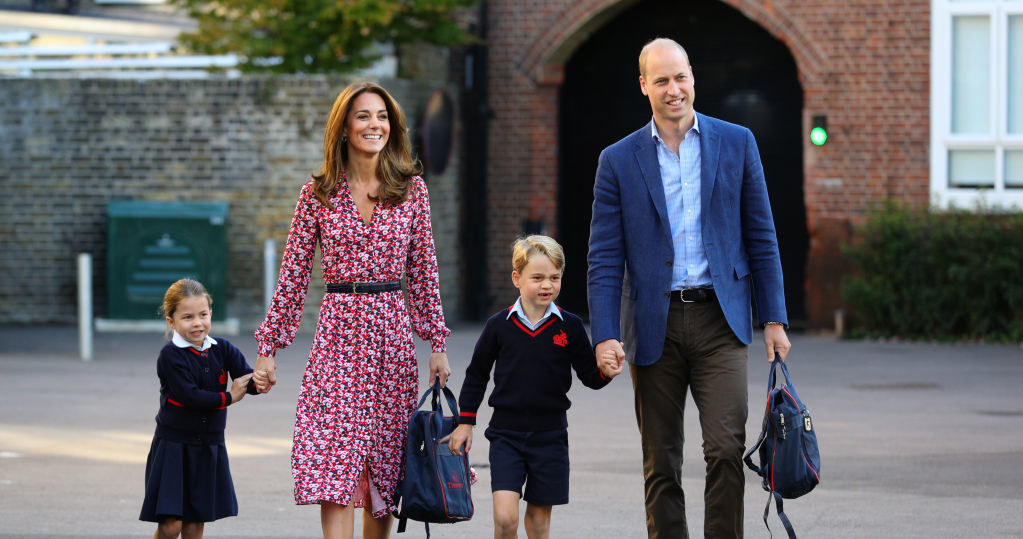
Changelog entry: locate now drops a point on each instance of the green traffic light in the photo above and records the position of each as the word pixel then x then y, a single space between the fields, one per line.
pixel 818 136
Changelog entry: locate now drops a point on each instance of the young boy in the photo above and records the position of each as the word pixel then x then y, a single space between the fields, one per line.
pixel 532 347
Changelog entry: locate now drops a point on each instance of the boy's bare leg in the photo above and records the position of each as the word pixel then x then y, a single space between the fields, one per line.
pixel 192 530
pixel 374 528
pixel 538 521
pixel 337 521
pixel 506 514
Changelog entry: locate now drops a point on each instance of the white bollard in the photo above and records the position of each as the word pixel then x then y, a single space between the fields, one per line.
pixel 269 271
pixel 85 306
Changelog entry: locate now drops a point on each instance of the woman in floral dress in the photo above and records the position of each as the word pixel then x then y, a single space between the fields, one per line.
pixel 370 213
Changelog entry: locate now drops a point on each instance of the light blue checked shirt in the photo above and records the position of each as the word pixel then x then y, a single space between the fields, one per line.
pixel 680 175
pixel 552 310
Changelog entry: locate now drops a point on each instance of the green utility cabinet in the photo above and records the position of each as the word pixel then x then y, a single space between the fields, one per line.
pixel 152 244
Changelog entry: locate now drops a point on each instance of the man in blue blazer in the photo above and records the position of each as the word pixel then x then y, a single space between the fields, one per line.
pixel 682 238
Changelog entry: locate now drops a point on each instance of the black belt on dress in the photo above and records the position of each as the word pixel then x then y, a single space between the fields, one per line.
pixel 363 288
pixel 693 295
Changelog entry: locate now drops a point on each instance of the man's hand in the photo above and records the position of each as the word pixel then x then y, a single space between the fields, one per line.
pixel 609 364
pixel 264 373
pixel 608 347
pixel 439 366
pixel 776 340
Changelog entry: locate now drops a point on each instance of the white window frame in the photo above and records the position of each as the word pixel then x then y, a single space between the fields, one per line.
pixel 999 140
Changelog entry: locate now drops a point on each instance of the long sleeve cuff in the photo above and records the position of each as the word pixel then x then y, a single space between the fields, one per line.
pixel 438 345
pixel 267 348
pixel 467 418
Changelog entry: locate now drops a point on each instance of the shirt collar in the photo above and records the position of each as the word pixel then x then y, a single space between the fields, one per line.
pixel 180 342
pixel 517 309
pixel 657 136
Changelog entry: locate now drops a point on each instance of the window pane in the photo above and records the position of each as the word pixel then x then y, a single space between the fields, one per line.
pixel 1015 57
pixel 971 168
pixel 971 68
pixel 1014 168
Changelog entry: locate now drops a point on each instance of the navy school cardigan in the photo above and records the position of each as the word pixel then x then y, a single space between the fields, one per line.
pixel 193 396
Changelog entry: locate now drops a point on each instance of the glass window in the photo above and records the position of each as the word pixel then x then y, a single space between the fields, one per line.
pixel 971 168
pixel 1015 78
pixel 977 102
pixel 971 74
pixel 1014 168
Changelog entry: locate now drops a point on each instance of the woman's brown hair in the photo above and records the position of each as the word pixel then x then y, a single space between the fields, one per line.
pixel 396 165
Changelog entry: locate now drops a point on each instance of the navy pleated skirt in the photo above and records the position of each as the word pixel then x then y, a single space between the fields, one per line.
pixel 189 482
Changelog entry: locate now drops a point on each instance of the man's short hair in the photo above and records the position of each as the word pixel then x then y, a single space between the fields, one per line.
pixel 657 42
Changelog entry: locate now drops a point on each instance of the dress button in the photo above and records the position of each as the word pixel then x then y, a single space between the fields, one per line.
pixel 667 294
pixel 669 262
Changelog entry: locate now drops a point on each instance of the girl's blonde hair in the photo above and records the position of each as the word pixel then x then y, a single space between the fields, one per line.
pixel 524 249
pixel 396 166
pixel 178 292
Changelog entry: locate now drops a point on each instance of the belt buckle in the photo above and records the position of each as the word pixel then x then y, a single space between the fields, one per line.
pixel 355 288
pixel 682 296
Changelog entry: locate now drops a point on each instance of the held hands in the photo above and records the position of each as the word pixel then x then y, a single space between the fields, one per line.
pixel 439 366
pixel 238 387
pixel 610 357
pixel 461 436
pixel 265 373
pixel 776 341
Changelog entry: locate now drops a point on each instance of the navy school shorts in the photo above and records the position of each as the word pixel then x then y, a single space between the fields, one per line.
pixel 537 459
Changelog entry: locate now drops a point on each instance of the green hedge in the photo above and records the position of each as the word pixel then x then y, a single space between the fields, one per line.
pixel 921 274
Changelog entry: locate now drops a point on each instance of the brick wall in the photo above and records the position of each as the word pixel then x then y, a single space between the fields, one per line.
pixel 67 147
pixel 864 63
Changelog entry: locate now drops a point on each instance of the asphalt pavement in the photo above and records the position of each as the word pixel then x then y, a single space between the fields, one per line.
pixel 918 440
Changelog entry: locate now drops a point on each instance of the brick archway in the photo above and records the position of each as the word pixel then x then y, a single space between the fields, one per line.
pixel 546 57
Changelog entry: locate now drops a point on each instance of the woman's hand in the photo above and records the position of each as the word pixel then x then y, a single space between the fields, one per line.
pixel 264 373
pixel 439 366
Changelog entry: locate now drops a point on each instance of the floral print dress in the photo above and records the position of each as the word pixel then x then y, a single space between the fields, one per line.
pixel 360 383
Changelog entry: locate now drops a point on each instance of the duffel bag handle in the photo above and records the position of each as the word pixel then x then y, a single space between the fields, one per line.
pixel 791 388
pixel 434 391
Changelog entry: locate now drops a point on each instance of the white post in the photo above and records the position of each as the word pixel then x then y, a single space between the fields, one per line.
pixel 269 271
pixel 85 306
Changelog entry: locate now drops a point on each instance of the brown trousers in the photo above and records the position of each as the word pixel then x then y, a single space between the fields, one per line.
pixel 701 354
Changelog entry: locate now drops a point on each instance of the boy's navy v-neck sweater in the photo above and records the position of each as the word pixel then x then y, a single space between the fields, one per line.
pixel 532 372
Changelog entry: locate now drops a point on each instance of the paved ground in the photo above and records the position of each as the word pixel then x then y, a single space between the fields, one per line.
pixel 918 441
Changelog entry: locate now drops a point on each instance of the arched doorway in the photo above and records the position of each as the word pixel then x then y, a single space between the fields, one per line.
pixel 743 75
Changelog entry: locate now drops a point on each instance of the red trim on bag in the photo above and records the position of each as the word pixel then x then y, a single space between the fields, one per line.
pixel 808 465
pixel 794 401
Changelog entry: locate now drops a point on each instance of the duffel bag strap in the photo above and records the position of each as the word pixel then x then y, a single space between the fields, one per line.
pixel 747 458
pixel 781 515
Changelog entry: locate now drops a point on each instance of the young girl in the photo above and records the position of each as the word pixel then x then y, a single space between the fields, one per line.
pixel 188 481
pixel 532 347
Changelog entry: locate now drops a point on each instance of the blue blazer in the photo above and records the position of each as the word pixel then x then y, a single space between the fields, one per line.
pixel 629 277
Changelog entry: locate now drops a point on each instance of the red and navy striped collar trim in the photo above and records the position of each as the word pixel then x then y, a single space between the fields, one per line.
pixel 537 331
